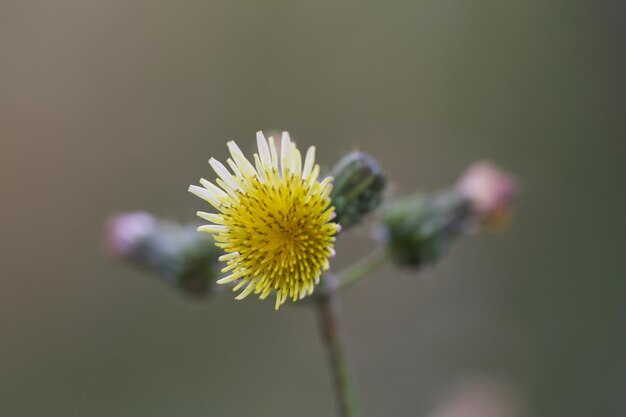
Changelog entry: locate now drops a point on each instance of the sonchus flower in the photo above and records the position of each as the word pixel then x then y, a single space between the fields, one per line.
pixel 274 221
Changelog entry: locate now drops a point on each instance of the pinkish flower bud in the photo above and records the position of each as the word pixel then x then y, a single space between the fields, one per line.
pixel 125 231
pixel 491 193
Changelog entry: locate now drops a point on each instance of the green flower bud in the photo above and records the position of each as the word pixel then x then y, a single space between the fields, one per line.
pixel 177 253
pixel 421 228
pixel 357 188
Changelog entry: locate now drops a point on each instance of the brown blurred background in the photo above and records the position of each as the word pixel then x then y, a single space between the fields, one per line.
pixel 109 106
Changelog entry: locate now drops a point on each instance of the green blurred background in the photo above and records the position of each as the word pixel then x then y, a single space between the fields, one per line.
pixel 109 106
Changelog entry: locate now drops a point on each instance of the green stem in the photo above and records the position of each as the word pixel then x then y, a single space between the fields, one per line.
pixel 331 328
pixel 355 272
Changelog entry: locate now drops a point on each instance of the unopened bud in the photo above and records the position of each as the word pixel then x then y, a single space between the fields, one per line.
pixel 177 253
pixel 491 193
pixel 125 231
pixel 421 228
pixel 357 188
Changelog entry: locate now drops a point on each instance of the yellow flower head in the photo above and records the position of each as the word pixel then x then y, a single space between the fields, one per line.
pixel 274 220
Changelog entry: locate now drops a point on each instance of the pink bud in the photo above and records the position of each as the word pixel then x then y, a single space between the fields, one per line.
pixel 491 193
pixel 125 231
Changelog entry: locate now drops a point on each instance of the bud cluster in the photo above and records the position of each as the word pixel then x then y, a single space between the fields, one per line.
pixel 419 229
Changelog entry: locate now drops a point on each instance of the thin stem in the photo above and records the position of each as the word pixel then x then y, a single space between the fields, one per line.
pixel 331 328
pixel 355 272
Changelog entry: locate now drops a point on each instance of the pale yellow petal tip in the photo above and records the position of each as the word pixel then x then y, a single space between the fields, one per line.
pixel 213 228
pixel 228 256
pixel 197 190
pixel 229 278
pixel 247 291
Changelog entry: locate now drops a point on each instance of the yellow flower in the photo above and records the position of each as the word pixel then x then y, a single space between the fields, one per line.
pixel 274 220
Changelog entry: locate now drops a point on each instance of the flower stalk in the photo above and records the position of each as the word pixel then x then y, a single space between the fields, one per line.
pixel 333 336
pixel 332 329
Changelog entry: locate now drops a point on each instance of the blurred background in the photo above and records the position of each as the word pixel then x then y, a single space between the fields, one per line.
pixel 110 106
